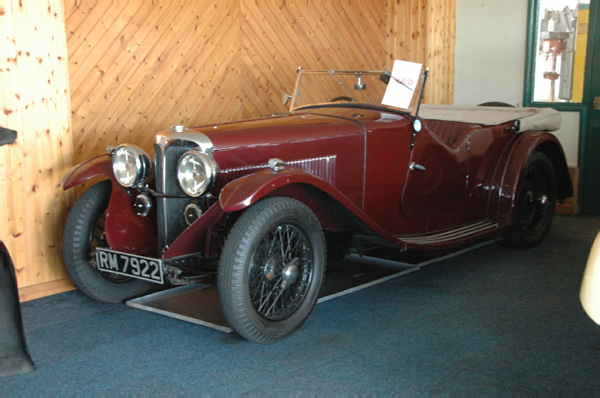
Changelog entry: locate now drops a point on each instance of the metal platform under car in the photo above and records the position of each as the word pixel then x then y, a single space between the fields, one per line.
pixel 199 303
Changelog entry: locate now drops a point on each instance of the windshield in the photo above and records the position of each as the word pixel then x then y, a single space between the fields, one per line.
pixel 318 87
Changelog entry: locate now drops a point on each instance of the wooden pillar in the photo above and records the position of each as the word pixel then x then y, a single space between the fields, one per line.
pixel 440 51
pixel 34 102
pixel 424 31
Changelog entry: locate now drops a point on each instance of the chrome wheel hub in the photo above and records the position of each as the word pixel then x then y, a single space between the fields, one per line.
pixel 289 274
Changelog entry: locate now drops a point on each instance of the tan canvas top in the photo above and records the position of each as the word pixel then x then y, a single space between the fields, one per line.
pixel 545 119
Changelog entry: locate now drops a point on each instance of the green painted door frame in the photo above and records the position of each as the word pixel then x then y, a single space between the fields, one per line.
pixel 589 129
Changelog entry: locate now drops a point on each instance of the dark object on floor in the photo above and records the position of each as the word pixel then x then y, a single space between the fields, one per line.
pixel 14 356
pixel 7 136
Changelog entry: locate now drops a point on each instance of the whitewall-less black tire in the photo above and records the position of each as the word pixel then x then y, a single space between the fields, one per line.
pixel 535 203
pixel 271 269
pixel 84 232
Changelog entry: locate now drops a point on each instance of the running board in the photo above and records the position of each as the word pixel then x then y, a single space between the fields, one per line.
pixel 449 237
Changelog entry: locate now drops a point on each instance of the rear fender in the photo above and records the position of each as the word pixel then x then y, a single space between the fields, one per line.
pixel 94 167
pixel 509 180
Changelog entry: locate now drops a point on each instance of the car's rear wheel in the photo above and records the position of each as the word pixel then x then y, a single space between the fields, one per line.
pixel 84 232
pixel 271 269
pixel 535 203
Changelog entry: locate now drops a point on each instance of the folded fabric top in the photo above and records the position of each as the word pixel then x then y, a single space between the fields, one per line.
pixel 545 119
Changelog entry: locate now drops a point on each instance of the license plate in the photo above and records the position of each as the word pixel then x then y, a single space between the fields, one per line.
pixel 145 268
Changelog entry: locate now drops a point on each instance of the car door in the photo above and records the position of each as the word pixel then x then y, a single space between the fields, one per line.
pixel 388 153
pixel 436 183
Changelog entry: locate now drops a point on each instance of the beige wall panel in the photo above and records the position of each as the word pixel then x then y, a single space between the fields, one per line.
pixel 35 103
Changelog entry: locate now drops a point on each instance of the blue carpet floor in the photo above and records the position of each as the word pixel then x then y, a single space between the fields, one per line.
pixel 491 321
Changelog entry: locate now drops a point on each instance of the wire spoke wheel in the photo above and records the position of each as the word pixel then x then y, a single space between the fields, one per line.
pixel 280 272
pixel 271 269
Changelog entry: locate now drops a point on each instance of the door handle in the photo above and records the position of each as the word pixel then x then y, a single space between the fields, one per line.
pixel 597 103
pixel 414 166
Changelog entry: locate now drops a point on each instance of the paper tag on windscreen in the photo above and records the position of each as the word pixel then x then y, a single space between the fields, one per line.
pixel 402 85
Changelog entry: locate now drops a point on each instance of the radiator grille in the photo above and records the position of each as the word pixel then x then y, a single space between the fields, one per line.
pixel 322 167
pixel 171 222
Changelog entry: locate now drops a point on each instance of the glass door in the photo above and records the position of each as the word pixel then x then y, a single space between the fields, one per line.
pixel 562 58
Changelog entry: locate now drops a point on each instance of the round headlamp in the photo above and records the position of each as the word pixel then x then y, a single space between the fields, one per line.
pixel 196 172
pixel 131 165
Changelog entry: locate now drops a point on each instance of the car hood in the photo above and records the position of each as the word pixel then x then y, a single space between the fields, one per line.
pixel 282 129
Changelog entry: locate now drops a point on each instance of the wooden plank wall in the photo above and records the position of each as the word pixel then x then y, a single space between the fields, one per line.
pixel 424 31
pixel 35 102
pixel 138 67
pixel 440 51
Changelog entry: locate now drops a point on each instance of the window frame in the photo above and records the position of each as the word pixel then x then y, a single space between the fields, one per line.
pixel 530 57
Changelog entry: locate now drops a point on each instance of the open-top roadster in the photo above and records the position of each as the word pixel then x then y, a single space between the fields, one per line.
pixel 264 201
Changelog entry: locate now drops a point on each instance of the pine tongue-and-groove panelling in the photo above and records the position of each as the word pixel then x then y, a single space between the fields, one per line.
pixel 35 103
pixel 138 67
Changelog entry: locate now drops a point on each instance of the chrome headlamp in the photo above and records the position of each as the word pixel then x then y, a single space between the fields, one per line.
pixel 131 165
pixel 196 173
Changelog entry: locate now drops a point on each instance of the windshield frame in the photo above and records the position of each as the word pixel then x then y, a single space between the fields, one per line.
pixel 413 109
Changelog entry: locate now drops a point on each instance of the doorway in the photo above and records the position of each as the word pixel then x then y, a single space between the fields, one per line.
pixel 591 138
pixel 562 59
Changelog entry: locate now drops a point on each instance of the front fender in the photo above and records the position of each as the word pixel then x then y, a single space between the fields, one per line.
pixel 125 230
pixel 238 195
pixel 243 192
pixel 94 167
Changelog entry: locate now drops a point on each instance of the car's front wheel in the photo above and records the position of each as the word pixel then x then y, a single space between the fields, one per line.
pixel 271 269
pixel 536 201
pixel 84 232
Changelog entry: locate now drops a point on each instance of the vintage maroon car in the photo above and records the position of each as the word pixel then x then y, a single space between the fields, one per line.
pixel 263 202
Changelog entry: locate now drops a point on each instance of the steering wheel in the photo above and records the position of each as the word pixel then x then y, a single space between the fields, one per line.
pixel 342 98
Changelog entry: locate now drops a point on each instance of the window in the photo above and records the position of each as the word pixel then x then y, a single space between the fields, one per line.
pixel 557 56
